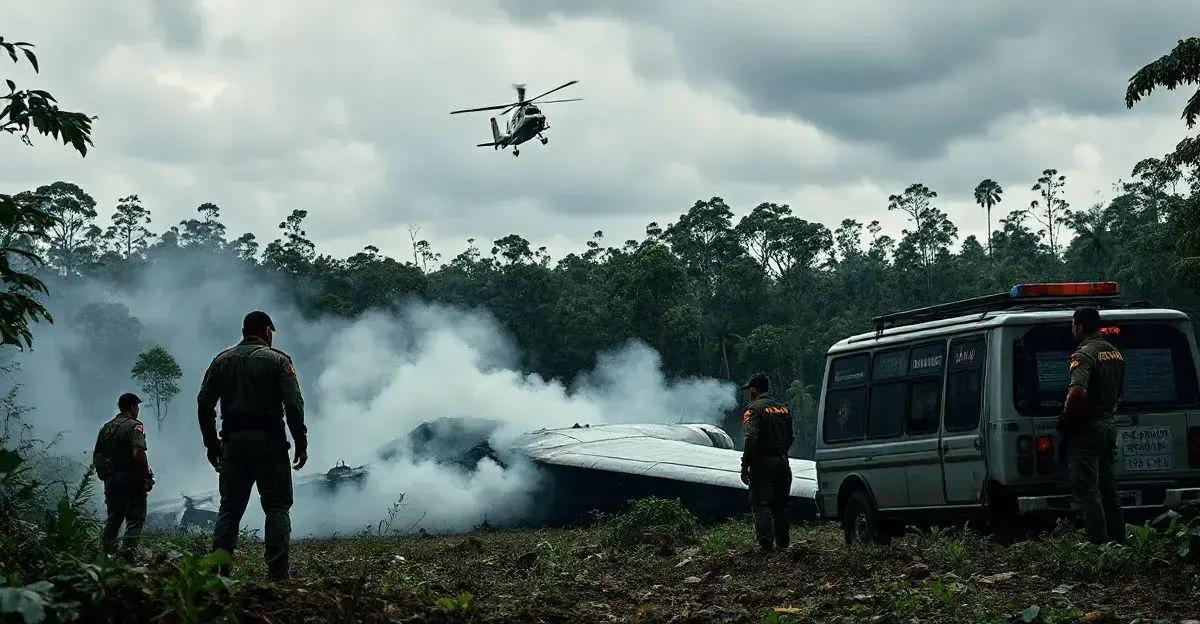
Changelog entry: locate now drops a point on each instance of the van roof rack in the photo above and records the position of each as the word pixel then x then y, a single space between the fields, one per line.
pixel 1054 295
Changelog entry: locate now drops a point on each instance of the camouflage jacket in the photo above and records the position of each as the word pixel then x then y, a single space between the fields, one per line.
pixel 113 453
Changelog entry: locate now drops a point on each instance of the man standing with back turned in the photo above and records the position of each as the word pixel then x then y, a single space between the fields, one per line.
pixel 765 466
pixel 121 463
pixel 257 389
pixel 1089 432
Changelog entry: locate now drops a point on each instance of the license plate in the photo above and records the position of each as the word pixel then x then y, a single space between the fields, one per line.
pixel 1145 448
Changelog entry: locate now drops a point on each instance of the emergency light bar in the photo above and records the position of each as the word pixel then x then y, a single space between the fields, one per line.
pixel 1057 295
pixel 1067 289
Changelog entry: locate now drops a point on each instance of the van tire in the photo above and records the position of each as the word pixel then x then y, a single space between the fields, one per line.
pixel 862 523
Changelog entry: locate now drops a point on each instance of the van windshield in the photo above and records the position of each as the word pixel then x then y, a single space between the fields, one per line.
pixel 1159 373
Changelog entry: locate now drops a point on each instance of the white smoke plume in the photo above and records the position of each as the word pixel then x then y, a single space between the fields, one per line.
pixel 366 382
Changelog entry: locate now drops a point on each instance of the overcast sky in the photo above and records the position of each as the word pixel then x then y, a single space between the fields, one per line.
pixel 341 109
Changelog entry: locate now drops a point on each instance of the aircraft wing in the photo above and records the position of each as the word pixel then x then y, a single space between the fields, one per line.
pixel 644 450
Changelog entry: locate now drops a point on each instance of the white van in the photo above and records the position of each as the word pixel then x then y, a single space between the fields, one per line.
pixel 948 412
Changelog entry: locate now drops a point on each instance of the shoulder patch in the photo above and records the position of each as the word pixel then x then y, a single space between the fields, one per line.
pixel 140 427
pixel 746 417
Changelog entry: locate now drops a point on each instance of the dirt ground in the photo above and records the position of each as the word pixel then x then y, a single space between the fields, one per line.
pixel 570 576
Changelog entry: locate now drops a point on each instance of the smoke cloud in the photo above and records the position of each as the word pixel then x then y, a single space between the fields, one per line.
pixel 366 382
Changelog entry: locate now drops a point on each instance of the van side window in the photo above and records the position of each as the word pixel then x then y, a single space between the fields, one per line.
pixel 964 384
pixel 925 394
pixel 886 415
pixel 846 399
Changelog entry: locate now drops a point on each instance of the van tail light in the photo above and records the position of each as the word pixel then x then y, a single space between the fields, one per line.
pixel 1024 455
pixel 1046 461
pixel 1194 446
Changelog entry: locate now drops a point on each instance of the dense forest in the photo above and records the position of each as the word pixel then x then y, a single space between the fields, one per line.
pixel 715 295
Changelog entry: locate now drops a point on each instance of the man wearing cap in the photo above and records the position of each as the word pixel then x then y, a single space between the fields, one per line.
pixel 121 463
pixel 765 466
pixel 1097 378
pixel 257 390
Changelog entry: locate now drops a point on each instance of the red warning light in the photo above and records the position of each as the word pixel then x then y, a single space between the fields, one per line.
pixel 1110 330
pixel 1065 289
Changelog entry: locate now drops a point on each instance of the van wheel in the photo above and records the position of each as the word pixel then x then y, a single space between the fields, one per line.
pixel 862 523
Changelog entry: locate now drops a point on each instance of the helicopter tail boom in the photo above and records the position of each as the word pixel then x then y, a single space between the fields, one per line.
pixel 495 132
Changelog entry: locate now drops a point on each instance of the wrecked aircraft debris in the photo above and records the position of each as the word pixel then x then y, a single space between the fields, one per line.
pixel 588 468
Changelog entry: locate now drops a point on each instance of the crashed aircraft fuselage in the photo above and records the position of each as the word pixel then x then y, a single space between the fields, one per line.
pixel 587 469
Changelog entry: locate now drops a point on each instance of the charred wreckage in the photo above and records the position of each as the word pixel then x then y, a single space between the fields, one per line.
pixel 590 468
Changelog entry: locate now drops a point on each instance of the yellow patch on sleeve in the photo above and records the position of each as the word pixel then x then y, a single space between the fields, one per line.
pixel 287 367
pixel 746 418
pixel 1074 363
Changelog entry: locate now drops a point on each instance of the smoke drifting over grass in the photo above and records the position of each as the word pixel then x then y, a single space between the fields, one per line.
pixel 366 382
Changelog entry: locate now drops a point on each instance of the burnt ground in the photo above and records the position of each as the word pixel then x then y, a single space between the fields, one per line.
pixel 570 575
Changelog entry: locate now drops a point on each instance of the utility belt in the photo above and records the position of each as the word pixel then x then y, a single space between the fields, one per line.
pixel 239 423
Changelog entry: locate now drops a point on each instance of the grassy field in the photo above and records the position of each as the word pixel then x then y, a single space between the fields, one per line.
pixel 660 566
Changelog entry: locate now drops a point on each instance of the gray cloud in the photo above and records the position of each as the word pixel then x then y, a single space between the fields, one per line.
pixel 342 110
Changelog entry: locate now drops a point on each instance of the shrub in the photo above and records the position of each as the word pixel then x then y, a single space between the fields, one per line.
pixel 652 520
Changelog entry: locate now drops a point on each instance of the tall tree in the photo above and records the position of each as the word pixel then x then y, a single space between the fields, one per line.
pixel 246 247
pixel 932 232
pixel 294 252
pixel 1053 211
pixel 987 194
pixel 207 232
pixel 158 373
pixel 71 239
pixel 128 234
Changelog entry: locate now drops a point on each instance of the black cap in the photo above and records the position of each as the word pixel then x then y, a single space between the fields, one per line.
pixel 128 400
pixel 256 322
pixel 758 381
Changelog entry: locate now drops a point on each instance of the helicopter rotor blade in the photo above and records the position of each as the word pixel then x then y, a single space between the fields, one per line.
pixel 560 101
pixel 485 108
pixel 552 91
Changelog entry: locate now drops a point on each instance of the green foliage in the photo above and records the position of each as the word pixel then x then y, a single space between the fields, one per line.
pixel 194 592
pixel 69 528
pixel 159 375
pixel 38 110
pixel 460 603
pixel 28 602
pixel 23 224
pixel 652 520
pixel 1181 66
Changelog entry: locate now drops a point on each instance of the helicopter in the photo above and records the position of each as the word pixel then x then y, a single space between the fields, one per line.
pixel 526 122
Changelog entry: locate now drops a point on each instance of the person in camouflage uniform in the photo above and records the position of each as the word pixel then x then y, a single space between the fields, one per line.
pixel 765 465
pixel 257 390
pixel 121 463
pixel 1097 377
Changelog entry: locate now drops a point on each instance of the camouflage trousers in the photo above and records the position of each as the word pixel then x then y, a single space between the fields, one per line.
pixel 1090 456
pixel 125 502
pixel 250 458
pixel 770 486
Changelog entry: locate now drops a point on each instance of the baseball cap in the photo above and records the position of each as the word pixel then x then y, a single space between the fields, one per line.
pixel 127 400
pixel 257 321
pixel 758 381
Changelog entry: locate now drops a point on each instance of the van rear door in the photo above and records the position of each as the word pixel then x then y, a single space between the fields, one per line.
pixel 1157 415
